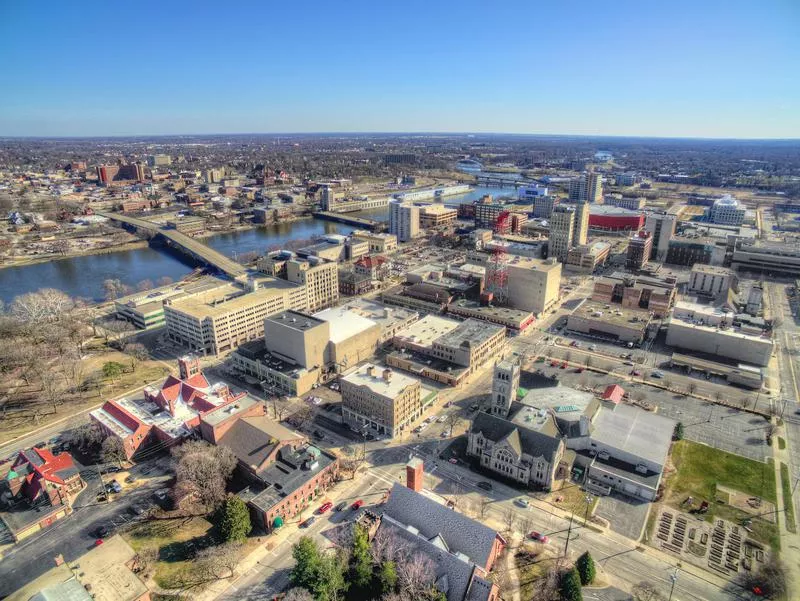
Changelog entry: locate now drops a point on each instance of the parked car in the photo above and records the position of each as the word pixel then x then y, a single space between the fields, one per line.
pixel 357 505
pixel 636 372
pixel 537 536
pixel 325 507
pixel 341 506
pixel 453 460
pixel 474 408
pixel 102 531
pixel 657 375
pixel 484 485
pixel 136 509
pixel 521 502
pixel 308 522
pixel 131 478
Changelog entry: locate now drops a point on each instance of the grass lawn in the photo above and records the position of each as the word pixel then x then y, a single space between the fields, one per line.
pixel 176 541
pixel 786 485
pixel 700 469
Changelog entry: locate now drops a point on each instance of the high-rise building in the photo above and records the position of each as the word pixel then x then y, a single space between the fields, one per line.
pixel 562 229
pixel 639 247
pixel 581 223
pixel 532 284
pixel 112 173
pixel 662 227
pixel 543 206
pixel 320 278
pixel 403 220
pixel 586 188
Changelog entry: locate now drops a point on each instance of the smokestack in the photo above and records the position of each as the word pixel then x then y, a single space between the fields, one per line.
pixel 371 370
pixel 387 375
pixel 415 472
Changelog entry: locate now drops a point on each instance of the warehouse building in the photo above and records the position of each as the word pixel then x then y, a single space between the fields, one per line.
pixel 720 341
pixel 610 322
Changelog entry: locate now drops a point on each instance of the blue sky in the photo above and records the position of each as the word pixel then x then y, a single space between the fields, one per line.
pixel 661 68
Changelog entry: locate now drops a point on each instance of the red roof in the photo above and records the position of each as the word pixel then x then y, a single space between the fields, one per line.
pixel 614 393
pixel 370 262
pixel 122 415
pixel 47 469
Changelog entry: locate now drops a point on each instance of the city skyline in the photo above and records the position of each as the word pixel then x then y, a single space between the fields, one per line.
pixel 711 71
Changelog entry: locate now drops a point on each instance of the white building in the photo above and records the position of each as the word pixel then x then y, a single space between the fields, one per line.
pixel 726 211
pixel 403 220
pixel 710 280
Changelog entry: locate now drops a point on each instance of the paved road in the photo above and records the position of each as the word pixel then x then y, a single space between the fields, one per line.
pixel 71 537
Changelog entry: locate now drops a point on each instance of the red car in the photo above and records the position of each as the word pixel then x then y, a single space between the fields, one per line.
pixel 554 364
pixel 325 507
pixel 564 365
pixel 357 504
pixel 537 536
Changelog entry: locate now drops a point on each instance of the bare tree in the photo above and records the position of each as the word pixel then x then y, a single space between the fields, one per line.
pixel 483 506
pixel 387 546
pixel 525 525
pixel 280 405
pixel 646 591
pixel 86 436
pixel 202 470
pixel 217 563
pixel 453 421
pixel 113 450
pixel 137 352
pixel 298 594
pixel 144 285
pixel 692 388
pixel 164 281
pixel 44 306
pixel 415 575
pixel 509 519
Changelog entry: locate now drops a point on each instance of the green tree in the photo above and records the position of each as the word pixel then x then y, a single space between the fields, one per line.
pixel 679 431
pixel 330 581
pixel 112 370
pixel 570 586
pixel 388 576
pixel 306 563
pixel 234 524
pixel 586 568
pixel 361 558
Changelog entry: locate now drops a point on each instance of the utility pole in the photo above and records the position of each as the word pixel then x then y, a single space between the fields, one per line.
pixel 674 579
pixel 569 533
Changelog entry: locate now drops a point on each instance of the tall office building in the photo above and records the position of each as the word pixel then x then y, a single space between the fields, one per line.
pixel 403 220
pixel 586 188
pixel 562 230
pixel 320 279
pixel 581 223
pixel 639 247
pixel 662 228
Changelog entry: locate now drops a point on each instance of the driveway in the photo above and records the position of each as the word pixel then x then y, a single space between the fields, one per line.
pixel 626 516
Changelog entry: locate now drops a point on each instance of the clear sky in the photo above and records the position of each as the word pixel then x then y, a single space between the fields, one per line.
pixel 653 68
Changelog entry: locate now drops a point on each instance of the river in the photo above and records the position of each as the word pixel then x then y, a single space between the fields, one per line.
pixel 83 276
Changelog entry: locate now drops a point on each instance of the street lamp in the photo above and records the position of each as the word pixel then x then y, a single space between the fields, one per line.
pixel 674 578
pixel 589 500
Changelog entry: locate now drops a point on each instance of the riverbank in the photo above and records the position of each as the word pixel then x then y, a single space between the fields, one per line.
pixel 34 260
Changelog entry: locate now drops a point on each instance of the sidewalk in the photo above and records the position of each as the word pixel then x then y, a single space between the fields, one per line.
pixel 790 541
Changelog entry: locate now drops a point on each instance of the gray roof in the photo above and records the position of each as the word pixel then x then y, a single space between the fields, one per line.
pixel 635 431
pixel 252 439
pixel 536 443
pixel 453 574
pixel 460 533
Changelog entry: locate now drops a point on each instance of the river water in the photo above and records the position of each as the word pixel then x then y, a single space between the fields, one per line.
pixel 83 276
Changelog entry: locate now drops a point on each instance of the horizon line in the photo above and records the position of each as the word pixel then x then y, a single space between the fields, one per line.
pixel 394 133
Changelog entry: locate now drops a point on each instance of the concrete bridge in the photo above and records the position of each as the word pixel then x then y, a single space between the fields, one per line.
pixel 188 245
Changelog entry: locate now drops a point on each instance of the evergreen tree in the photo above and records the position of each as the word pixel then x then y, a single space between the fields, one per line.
pixel 361 563
pixel 679 431
pixel 307 561
pixel 570 586
pixel 388 576
pixel 235 523
pixel 586 568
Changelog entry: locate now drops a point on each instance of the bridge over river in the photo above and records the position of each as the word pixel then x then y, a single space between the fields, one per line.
pixel 194 248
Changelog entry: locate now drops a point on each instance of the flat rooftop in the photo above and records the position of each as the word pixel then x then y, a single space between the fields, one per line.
pixel 344 323
pixel 376 383
pixel 470 331
pixel 564 401
pixel 231 297
pixel 545 265
pixel 731 332
pixel 296 320
pixel 635 431
pixel 428 329
pixel 711 269
pixel 616 314
pixel 146 301
pixel 515 316
pixel 286 475
pixel 420 362
pixel 380 313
